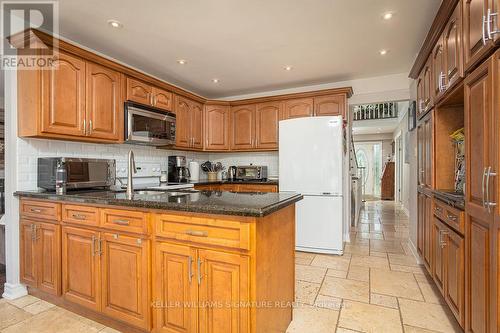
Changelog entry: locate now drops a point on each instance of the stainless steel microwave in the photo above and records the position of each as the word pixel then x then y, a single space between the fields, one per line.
pixel 149 126
pixel 81 173
pixel 251 172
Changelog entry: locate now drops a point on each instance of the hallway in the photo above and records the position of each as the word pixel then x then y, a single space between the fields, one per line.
pixel 377 286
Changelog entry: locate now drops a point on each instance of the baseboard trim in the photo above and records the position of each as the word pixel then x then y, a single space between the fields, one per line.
pixel 414 251
pixel 13 291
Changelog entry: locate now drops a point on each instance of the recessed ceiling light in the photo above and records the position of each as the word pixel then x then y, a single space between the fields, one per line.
pixel 388 15
pixel 383 52
pixel 115 24
pixel 215 80
pixel 181 62
pixel 288 68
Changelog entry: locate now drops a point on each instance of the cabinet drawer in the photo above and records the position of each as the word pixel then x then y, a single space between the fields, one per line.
pixel 40 210
pixel 124 220
pixel 82 215
pixel 451 216
pixel 208 231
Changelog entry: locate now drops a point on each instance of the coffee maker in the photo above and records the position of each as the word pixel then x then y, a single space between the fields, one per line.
pixel 178 171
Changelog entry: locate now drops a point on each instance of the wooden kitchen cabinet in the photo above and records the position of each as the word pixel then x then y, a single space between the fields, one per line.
pixel 420 223
pixel 243 127
pixel 225 279
pixel 125 282
pixel 428 219
pixel 438 254
pixel 425 148
pixel 40 246
pixel 139 92
pixel 189 123
pixel 175 282
pixel 81 272
pixel 476 42
pixel 453 49
pixel 481 133
pixel 162 99
pixel 298 108
pixel 63 96
pixel 104 114
pixel 217 124
pixel 331 105
pixel 267 116
pixel 438 69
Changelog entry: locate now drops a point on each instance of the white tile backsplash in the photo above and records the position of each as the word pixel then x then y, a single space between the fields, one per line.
pixel 30 149
pixel 270 159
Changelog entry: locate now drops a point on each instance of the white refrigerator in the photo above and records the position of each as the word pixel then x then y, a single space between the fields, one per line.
pixel 312 162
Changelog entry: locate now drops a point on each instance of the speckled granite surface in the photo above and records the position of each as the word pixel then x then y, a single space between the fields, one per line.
pixel 208 182
pixel 210 202
pixel 451 198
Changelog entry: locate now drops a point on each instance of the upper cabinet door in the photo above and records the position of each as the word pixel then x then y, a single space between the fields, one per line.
pixel 266 125
pixel 162 99
pixel 298 108
pixel 243 127
pixel 139 92
pixel 420 94
pixel 334 105
pixel 438 75
pixel 225 280
pixel 182 125
pixel 428 85
pixel 476 41
pixel 63 87
pixel 217 120
pixel 196 111
pixel 452 44
pixel 104 102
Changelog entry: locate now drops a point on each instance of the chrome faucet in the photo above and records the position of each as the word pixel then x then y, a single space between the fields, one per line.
pixel 131 166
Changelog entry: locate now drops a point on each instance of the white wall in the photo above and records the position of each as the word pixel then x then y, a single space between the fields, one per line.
pixel 412 193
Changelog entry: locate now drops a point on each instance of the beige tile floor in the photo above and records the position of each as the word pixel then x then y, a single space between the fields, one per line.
pixel 377 286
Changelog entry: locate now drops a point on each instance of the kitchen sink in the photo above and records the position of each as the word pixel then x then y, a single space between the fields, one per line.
pixel 149 192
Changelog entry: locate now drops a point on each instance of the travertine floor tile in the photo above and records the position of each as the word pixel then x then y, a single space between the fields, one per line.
pixel 310 273
pixel 10 315
pixel 426 315
pixel 357 249
pixel 369 318
pixel 378 254
pixel 401 259
pixel 386 246
pixel 328 302
pixel 431 293
pixel 346 289
pixel 38 307
pixel 23 301
pixel 410 269
pixel 339 263
pixel 391 283
pixel 345 330
pixel 306 292
pixel 313 320
pixel 384 300
pixel 336 273
pixel 359 273
pixel 411 329
pixel 368 261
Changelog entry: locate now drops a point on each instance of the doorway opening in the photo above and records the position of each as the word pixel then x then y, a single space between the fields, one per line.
pixel 369 156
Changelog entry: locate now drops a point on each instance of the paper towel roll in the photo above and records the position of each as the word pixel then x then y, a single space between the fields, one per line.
pixel 194 170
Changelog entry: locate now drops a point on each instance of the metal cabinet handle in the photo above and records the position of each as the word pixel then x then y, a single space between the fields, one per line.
pixel 190 268
pixel 489 22
pixel 199 270
pixel 489 204
pixel 84 127
pixel 440 80
pixel 482 187
pixel 452 218
pixel 485 38
pixel 99 248
pixel 442 83
pixel 92 246
pixel 121 222
pixel 197 233
pixel 443 242
pixel 90 127
pixel 35 210
pixel 33 232
pixel 79 217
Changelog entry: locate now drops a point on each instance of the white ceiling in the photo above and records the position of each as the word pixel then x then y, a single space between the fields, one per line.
pixel 246 44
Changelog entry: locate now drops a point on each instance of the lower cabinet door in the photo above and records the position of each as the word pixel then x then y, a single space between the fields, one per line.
pixel 80 267
pixel 455 275
pixel 48 245
pixel 438 254
pixel 428 218
pixel 125 284
pixel 175 289
pixel 224 292
pixel 28 252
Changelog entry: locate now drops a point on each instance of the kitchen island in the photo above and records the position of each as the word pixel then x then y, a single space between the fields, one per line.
pixel 176 261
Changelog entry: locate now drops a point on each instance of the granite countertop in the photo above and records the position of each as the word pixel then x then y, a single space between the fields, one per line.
pixel 226 181
pixel 209 202
pixel 450 197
